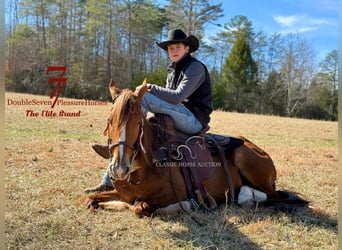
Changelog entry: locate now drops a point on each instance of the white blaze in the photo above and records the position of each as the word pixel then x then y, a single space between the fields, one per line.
pixel 121 146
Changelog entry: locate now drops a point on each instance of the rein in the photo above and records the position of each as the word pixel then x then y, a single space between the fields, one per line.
pixel 180 203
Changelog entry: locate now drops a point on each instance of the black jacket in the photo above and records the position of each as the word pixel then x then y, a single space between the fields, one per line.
pixel 188 82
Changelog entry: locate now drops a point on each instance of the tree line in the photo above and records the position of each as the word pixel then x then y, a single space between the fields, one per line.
pixel 102 39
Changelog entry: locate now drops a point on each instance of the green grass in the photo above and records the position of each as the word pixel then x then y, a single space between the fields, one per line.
pixel 49 162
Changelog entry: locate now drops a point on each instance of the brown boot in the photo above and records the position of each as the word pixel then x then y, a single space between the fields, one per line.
pixel 99 188
pixel 101 150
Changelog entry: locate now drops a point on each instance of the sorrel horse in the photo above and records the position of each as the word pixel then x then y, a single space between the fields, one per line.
pixel 142 186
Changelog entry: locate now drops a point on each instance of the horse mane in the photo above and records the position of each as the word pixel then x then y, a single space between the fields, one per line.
pixel 122 108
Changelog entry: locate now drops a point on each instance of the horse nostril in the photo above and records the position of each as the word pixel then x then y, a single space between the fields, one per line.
pixel 126 169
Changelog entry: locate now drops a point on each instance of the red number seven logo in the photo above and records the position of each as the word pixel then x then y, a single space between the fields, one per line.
pixel 60 82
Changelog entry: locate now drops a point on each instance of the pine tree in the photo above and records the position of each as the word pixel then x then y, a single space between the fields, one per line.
pixel 239 76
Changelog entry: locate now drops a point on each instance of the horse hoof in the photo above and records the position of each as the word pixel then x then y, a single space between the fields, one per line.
pixel 139 210
pixel 91 203
pixel 144 209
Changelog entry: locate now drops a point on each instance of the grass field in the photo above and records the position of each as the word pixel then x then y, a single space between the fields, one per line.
pixel 49 162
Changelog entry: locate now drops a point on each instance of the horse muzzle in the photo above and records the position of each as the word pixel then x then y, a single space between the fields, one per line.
pixel 119 172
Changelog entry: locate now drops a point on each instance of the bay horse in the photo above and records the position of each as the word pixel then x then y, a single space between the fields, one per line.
pixel 143 187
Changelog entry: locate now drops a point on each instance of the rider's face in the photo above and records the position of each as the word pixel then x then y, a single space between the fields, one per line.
pixel 177 51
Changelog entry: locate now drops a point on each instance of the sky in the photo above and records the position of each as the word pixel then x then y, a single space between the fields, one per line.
pixel 315 20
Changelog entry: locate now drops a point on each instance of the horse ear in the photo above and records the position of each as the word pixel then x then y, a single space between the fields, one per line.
pixel 141 90
pixel 114 91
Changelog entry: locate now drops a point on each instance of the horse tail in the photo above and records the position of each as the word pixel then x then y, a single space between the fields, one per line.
pixel 286 201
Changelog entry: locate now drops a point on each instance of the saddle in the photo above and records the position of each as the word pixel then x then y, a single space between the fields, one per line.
pixel 168 133
pixel 193 153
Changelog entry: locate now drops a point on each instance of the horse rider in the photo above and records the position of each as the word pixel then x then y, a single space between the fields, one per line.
pixel 186 98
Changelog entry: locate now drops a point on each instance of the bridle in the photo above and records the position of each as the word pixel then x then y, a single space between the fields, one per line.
pixel 111 146
pixel 136 148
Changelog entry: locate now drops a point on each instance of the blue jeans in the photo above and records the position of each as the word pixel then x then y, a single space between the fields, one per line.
pixel 106 180
pixel 184 120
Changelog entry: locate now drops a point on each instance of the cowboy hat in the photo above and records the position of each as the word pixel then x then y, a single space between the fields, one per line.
pixel 178 36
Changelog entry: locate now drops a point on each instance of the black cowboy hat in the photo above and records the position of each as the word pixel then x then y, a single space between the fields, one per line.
pixel 178 36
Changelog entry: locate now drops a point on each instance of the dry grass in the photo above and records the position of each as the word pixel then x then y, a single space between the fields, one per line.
pixel 49 161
